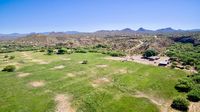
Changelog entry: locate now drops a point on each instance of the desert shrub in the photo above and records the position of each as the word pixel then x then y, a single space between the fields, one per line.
pixel 180 103
pixel 101 46
pixel 170 53
pixel 93 50
pixel 173 65
pixel 50 51
pixel 81 51
pixel 62 51
pixel 197 67
pixel 196 78
pixel 115 54
pixel 21 61
pixel 173 58
pixel 149 53
pixel 194 94
pixel 69 51
pixel 84 62
pixel 9 68
pixel 12 57
pixel 42 50
pixel 187 67
pixel 6 56
pixel 184 85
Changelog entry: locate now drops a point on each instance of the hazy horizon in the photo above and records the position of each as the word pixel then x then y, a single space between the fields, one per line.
pixel 26 16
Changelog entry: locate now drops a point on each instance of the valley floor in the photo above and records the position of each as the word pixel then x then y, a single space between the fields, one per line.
pixel 60 83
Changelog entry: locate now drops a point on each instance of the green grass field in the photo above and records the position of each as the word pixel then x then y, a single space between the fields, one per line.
pixel 100 86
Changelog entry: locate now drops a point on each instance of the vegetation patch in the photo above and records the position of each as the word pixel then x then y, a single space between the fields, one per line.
pixel 194 94
pixel 184 85
pixel 9 68
pixel 180 103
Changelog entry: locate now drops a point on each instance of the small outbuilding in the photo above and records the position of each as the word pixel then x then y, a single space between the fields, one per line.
pixel 152 58
pixel 163 63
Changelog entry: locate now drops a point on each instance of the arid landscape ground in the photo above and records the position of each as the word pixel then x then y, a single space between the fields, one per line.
pixel 99 56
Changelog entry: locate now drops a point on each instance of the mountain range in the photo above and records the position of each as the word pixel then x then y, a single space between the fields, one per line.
pixel 100 32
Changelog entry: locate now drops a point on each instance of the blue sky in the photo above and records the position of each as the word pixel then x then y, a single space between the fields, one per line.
pixel 24 16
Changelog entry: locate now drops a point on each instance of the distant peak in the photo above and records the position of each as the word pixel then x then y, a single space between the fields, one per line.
pixel 141 29
pixel 127 29
pixel 168 29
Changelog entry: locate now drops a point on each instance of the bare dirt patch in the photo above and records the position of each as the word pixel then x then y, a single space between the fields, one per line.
pixel 194 107
pixel 26 55
pixel 58 67
pixel 122 71
pixel 101 66
pixel 39 61
pixel 138 59
pixel 80 72
pixel 37 84
pixel 23 75
pixel 63 103
pixel 100 81
pixel 114 58
pixel 71 75
pixel 65 59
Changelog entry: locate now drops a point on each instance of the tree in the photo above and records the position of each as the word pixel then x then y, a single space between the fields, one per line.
pixel 194 94
pixel 184 85
pixel 180 103
pixel 84 62
pixel 62 51
pixel 149 53
pixel 12 57
pixel 9 68
pixel 50 51
pixel 6 56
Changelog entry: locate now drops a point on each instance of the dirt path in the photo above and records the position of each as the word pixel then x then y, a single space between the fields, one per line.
pixel 63 103
pixel 135 47
pixel 138 59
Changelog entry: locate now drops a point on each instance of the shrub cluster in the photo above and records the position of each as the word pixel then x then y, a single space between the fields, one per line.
pixel 187 54
pixel 194 94
pixel 9 68
pixel 114 53
pixel 191 86
pixel 81 51
pixel 149 53
pixel 180 104
pixel 12 57
pixel 184 85
pixel 50 51
pixel 85 62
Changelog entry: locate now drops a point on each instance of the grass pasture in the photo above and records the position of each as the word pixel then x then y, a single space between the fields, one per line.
pixel 102 85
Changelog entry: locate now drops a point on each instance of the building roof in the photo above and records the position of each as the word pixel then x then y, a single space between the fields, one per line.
pixel 163 62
